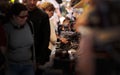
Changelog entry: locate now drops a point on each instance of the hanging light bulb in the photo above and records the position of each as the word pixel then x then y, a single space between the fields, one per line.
pixel 21 1
pixel 12 1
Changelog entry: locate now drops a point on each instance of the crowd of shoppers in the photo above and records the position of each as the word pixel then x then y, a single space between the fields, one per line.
pixel 24 37
pixel 29 33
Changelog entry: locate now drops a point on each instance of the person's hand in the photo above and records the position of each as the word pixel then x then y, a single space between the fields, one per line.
pixel 64 40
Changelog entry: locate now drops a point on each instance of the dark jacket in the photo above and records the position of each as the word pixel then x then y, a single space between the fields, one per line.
pixel 3 41
pixel 41 28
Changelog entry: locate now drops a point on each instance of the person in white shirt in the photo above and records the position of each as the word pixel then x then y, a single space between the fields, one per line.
pixel 49 9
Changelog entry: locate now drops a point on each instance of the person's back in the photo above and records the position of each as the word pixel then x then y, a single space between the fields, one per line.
pixel 41 27
pixel 50 9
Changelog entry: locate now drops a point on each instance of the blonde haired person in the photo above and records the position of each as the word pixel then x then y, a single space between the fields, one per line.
pixel 49 9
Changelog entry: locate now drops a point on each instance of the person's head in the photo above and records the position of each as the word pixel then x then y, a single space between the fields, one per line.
pixel 18 13
pixel 48 8
pixel 66 22
pixel 31 4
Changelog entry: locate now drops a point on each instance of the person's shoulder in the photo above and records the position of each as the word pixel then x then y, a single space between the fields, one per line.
pixel 37 14
pixel 41 11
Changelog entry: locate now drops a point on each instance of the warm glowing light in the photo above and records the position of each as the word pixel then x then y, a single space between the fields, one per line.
pixel 12 1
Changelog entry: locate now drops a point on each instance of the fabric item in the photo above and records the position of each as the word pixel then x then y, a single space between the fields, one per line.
pixel 3 43
pixel 41 29
pixel 19 69
pixel 2 37
pixel 20 41
pixel 53 37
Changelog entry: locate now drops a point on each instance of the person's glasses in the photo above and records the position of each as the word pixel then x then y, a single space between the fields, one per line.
pixel 22 17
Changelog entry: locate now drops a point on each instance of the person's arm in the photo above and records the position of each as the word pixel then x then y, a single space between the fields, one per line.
pixel 41 35
pixel 53 35
pixel 3 45
pixel 46 30
pixel 3 40
pixel 44 52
